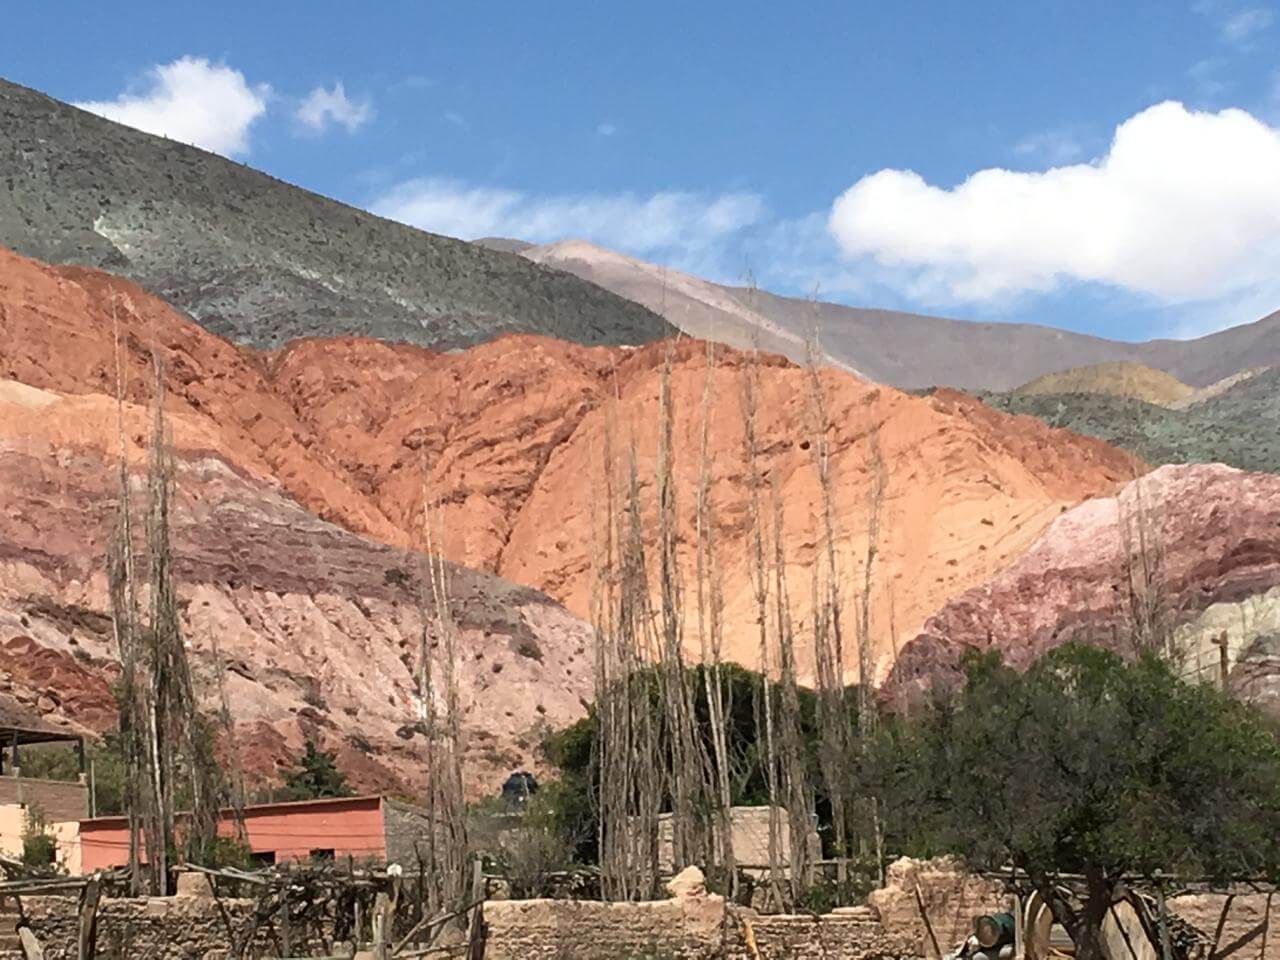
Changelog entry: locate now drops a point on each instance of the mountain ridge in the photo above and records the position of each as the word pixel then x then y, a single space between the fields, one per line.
pixel 259 260
pixel 914 351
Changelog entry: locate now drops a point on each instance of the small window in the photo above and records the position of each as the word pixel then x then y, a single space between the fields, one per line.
pixel 263 858
pixel 322 855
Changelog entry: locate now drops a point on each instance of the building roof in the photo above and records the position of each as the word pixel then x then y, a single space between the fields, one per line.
pixel 253 808
pixel 25 725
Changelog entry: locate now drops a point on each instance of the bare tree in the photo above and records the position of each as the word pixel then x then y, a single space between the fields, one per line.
pixel 160 721
pixel 765 699
pixel 710 634
pixel 439 714
pixel 834 748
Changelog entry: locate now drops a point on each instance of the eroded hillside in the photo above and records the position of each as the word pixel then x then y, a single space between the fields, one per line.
pixel 509 436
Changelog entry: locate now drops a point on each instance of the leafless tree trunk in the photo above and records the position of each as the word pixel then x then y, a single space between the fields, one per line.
pixel 1142 555
pixel 160 721
pixel 630 780
pixel 834 749
pixel 440 715
pixel 710 634
pixel 764 708
pixel 792 772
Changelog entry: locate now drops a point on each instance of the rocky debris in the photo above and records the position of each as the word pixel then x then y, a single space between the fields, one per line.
pixel 261 261
pixel 509 436
pixel 1214 546
pixel 689 883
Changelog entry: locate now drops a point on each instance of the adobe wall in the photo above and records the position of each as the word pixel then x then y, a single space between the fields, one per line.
pixel 159 928
pixel 951 896
pixel 685 929
pixel 1247 912
pixel 692 925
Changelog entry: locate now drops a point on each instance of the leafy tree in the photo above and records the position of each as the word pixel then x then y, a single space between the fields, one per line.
pixel 39 848
pixel 1085 764
pixel 316 777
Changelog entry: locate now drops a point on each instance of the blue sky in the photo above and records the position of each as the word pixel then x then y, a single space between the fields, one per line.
pixel 821 144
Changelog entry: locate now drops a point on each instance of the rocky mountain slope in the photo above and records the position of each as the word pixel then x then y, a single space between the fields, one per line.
pixel 1239 426
pixel 260 261
pixel 1211 542
pixel 905 350
pixel 509 436
pixel 318 628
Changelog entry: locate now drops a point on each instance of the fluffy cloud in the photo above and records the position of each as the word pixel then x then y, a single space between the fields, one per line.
pixel 1184 206
pixel 193 101
pixel 678 227
pixel 323 107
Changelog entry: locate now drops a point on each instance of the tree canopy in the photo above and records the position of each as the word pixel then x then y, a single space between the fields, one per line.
pixel 1084 764
pixel 316 777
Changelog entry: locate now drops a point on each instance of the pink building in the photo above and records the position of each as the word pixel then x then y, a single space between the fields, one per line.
pixel 360 827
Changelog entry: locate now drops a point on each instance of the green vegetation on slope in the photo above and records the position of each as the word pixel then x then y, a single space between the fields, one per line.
pixel 1240 427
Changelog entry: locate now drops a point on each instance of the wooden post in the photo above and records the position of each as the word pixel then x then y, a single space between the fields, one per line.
pixel 380 909
pixel 924 915
pixel 87 942
pixel 31 948
pixel 286 935
pixel 1166 950
pixel 1222 923
pixel 1266 927
pixel 1224 660
pixel 475 932
pixel 1019 933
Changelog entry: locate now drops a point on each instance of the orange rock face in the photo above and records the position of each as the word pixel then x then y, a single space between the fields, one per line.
pixel 509 436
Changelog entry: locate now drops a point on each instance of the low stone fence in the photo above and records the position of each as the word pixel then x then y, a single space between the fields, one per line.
pixel 155 928
pixel 692 925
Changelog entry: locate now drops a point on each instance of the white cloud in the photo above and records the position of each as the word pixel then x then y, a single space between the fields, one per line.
pixel 1242 25
pixel 1185 206
pixel 193 101
pixel 685 229
pixel 322 107
pixel 607 129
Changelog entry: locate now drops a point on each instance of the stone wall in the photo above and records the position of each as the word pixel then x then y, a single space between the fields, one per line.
pixel 159 928
pixel 404 826
pixel 692 925
pixel 685 929
pixel 952 897
pixel 843 935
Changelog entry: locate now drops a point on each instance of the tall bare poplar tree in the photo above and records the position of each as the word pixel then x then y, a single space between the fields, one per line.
pixel 166 741
pixel 439 713
pixel 710 635
pixel 834 747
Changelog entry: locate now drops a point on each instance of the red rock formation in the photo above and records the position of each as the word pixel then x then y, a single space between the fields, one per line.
pixel 510 434
pixel 317 627
pixel 1215 554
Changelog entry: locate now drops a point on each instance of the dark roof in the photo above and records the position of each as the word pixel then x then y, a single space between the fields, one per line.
pixel 20 722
